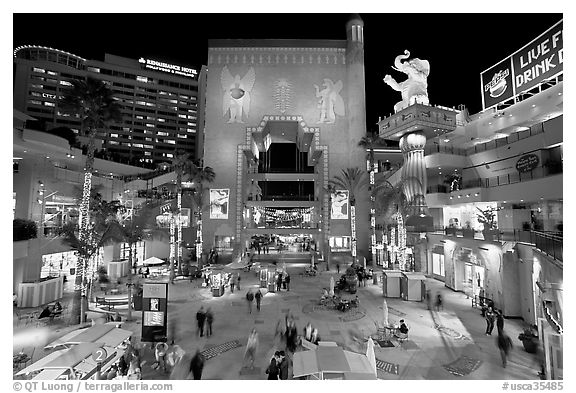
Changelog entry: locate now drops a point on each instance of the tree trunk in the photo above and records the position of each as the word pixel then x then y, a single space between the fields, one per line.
pixel 353 229
pixel 372 209
pixel 172 248
pixel 179 221
pixel 79 302
pixel 129 283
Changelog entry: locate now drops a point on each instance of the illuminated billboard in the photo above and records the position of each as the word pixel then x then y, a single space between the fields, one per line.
pixel 163 220
pixel 168 68
pixel 340 205
pixel 536 62
pixel 219 199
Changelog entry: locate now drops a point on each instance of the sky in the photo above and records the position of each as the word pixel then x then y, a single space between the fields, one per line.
pixel 458 46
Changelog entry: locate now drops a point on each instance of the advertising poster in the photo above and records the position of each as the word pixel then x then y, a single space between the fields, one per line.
pixel 340 205
pixel 154 312
pixel 536 62
pixel 163 220
pixel 219 199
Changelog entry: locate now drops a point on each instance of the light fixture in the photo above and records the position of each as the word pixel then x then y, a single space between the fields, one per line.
pixel 467 195
pixel 446 140
pixel 459 196
pixel 476 194
pixel 521 200
pixel 533 105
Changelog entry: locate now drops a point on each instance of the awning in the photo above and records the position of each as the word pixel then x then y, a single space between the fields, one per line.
pixel 332 360
pixel 107 334
pixel 50 375
pixel 151 261
pixel 392 273
pixel 40 364
pixel 414 276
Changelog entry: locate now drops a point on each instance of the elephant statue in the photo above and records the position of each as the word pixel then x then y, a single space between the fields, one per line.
pixel 414 89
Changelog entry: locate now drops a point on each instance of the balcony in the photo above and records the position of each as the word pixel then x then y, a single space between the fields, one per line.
pixel 550 243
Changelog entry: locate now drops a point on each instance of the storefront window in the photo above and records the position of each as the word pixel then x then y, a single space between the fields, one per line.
pixel 438 264
pixel 339 243
pixel 137 251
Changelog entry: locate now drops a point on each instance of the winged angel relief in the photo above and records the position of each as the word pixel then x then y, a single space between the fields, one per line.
pixel 330 101
pixel 236 97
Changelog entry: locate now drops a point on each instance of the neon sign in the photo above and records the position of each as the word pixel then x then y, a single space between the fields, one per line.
pixel 168 68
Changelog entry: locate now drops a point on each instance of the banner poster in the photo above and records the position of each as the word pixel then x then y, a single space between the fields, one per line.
pixel 340 205
pixel 219 199
pixel 163 220
pixel 540 60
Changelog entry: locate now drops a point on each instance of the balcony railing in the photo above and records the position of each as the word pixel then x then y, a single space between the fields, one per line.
pixel 433 149
pixel 503 180
pixel 515 137
pixel 303 197
pixel 550 243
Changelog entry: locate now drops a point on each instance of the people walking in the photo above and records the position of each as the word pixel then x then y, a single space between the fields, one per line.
pixel 197 365
pixel 251 348
pixel 258 297
pixel 232 284
pixel 283 366
pixel 439 306
pixel 287 280
pixel 273 369
pixel 209 320
pixel 504 345
pixel 160 355
pixel 429 299
pixel 249 299
pixel 490 316
pixel 279 282
pixel 238 281
pixel 200 318
pixel 499 321
pixel 338 268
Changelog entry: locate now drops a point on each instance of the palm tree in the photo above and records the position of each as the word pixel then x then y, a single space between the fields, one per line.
pixel 353 180
pixel 370 142
pixel 92 102
pixel 200 176
pixel 99 229
pixel 183 166
pixel 131 229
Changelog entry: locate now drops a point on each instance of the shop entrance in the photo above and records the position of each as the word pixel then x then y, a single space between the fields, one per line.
pixel 294 247
pixel 473 280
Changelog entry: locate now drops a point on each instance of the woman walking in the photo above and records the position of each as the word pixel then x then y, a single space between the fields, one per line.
pixel 490 317
pixel 251 348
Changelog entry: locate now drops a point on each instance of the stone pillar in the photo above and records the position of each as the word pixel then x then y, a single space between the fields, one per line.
pixel 414 168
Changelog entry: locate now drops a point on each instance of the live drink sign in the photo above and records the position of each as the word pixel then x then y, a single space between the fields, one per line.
pixel 538 61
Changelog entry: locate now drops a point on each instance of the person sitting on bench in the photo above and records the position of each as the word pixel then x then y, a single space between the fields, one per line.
pixel 402 331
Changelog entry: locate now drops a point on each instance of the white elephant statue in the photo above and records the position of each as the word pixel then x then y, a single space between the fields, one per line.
pixel 415 88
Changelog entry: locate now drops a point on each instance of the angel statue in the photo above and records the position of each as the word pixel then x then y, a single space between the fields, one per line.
pixel 236 97
pixel 330 103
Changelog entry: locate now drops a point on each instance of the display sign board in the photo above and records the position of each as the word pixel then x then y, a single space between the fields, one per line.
pixel 154 312
pixel 168 68
pixel 163 220
pixel 527 163
pixel 340 205
pixel 219 199
pixel 535 63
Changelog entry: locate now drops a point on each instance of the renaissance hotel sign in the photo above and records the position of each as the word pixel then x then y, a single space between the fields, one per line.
pixel 526 68
pixel 168 68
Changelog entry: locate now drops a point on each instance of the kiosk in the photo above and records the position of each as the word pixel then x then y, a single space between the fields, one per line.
pixel 217 284
pixel 263 278
pixel 413 286
pixel 391 283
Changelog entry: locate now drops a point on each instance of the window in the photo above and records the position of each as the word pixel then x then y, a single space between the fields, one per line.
pixel 48 103
pixel 113 143
pixel 65 83
pixel 35 102
pixel 137 145
pixel 340 243
pixel 141 78
pixel 161 133
pixel 113 135
pixel 182 136
pixel 169 155
pixel 170 141
pixel 35 94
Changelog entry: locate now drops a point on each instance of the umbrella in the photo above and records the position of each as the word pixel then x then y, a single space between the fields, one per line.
pixel 331 286
pixel 385 312
pixel 370 354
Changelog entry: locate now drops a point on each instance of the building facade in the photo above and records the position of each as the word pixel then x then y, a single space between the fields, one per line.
pixel 162 104
pixel 282 118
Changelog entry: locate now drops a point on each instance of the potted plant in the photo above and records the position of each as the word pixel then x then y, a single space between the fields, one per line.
pixel 468 231
pixel 529 340
pixel 488 219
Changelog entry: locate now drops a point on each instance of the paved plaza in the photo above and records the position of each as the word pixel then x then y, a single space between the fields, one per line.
pixel 449 344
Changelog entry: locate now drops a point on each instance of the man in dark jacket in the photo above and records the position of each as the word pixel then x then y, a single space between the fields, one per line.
pixel 499 321
pixel 258 297
pixel 197 365
pixel 209 320
pixel 283 366
pixel 273 368
pixel 200 318
pixel 287 280
pixel 249 299
pixel 504 345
